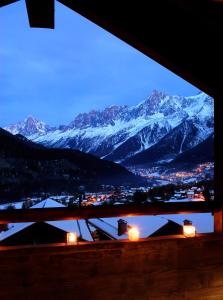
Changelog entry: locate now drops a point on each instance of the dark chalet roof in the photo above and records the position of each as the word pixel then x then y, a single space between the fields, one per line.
pixel 170 228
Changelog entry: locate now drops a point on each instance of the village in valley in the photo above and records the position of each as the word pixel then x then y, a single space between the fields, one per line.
pixel 123 195
pixel 158 175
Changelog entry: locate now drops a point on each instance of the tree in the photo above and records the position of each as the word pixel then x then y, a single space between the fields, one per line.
pixel 10 207
pixel 206 193
pixel 140 197
pixel 3 227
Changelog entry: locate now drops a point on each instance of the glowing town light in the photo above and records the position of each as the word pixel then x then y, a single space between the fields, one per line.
pixel 71 238
pixel 133 234
pixel 188 229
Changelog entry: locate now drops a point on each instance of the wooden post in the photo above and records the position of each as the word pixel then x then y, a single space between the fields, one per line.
pixel 41 13
pixel 218 221
pixel 218 147
pixel 218 215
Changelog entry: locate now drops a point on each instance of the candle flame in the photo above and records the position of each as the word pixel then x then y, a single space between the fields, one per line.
pixel 71 238
pixel 133 234
pixel 189 230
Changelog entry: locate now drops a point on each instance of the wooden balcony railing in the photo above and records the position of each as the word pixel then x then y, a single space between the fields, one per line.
pixel 52 214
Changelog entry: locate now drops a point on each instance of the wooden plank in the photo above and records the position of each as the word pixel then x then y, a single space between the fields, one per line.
pixel 156 268
pixel 40 13
pixel 51 214
pixel 6 2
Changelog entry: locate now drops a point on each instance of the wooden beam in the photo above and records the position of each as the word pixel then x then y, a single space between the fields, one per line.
pixel 134 23
pixel 40 13
pixel 6 2
pixel 53 214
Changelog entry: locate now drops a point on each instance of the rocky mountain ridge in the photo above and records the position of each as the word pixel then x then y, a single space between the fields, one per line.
pixel 121 133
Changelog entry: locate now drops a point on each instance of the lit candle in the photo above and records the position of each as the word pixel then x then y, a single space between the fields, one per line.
pixel 71 238
pixel 188 229
pixel 133 234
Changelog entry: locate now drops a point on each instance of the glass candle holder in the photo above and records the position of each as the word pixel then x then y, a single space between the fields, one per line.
pixel 133 234
pixel 71 238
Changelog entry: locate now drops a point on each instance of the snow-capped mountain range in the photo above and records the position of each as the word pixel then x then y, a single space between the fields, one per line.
pixel 119 133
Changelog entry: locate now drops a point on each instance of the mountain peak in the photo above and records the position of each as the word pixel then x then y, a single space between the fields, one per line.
pixel 152 104
pixel 31 117
pixel 156 93
pixel 29 126
pixel 98 118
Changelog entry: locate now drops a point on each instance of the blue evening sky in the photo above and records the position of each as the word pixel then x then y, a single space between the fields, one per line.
pixel 56 74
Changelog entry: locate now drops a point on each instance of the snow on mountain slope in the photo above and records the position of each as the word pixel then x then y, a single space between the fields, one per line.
pixel 185 136
pixel 29 127
pixel 103 140
pixel 120 132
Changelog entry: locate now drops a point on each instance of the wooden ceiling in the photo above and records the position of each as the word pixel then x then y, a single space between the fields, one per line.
pixel 183 35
